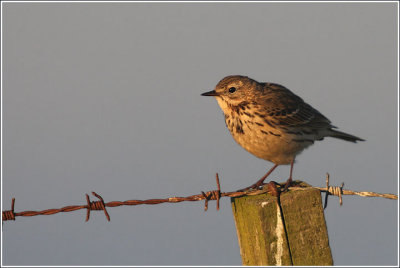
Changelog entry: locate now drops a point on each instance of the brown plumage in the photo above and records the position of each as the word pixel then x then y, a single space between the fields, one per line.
pixel 270 121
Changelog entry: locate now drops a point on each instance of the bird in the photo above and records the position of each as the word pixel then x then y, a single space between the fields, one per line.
pixel 271 122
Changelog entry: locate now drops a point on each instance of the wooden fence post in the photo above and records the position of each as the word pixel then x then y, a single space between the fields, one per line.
pixel 293 233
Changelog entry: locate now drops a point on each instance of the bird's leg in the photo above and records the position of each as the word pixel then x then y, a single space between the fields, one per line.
pixel 289 181
pixel 260 181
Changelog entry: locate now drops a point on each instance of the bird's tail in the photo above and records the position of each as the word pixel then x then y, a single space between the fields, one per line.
pixel 344 136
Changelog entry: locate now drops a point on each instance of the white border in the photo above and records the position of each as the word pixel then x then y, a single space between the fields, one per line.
pixel 1 83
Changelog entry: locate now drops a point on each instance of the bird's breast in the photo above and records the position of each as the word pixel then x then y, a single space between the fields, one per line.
pixel 261 138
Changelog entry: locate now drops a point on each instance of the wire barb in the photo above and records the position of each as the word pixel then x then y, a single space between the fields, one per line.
pixel 8 215
pixel 218 192
pixel 95 205
pixel 212 195
pixel 205 200
pixel 333 190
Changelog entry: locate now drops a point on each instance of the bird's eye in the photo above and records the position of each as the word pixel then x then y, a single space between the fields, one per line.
pixel 232 89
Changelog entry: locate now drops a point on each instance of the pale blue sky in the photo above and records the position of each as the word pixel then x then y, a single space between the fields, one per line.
pixel 105 97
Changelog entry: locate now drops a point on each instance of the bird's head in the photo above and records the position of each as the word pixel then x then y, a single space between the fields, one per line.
pixel 233 90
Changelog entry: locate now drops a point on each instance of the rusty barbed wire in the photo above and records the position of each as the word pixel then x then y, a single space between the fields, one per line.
pixel 8 215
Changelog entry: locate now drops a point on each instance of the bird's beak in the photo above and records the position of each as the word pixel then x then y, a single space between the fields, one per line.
pixel 210 93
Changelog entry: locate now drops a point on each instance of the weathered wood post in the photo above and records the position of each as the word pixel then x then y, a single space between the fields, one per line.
pixel 292 233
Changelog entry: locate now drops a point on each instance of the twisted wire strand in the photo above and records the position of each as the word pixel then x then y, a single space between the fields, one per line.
pixel 8 215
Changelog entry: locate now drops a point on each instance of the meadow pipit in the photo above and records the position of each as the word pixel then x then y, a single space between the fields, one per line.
pixel 270 121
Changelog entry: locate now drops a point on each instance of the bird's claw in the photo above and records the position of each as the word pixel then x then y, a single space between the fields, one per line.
pixel 287 185
pixel 257 185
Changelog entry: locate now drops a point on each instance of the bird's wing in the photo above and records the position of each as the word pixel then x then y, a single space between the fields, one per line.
pixel 283 107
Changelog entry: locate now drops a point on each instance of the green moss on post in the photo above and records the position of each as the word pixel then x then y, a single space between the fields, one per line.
pixel 263 233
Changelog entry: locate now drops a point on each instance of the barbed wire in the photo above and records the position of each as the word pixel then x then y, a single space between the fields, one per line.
pixel 272 188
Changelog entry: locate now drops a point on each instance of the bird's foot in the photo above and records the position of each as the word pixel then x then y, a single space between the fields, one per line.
pixel 287 184
pixel 254 186
pixel 260 182
pixel 257 185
